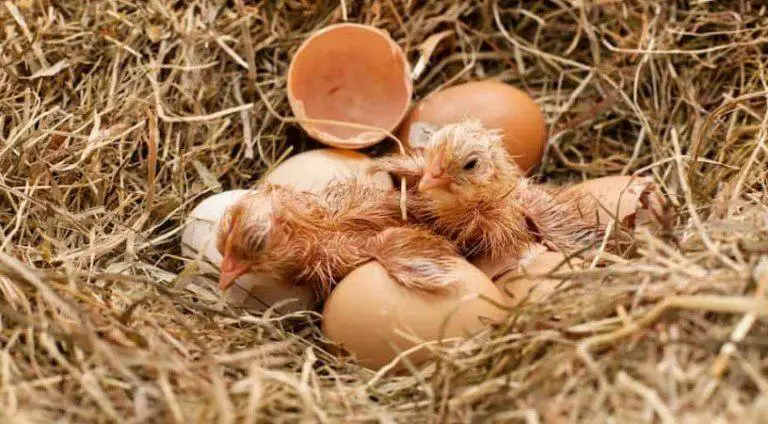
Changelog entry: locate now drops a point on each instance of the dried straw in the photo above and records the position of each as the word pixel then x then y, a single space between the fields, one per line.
pixel 117 117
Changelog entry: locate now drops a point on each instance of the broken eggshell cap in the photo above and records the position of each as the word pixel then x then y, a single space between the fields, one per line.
pixel 634 200
pixel 349 73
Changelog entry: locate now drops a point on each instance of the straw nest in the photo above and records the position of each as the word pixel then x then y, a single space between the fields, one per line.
pixel 117 118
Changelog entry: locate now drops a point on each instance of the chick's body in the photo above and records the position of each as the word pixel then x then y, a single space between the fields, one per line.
pixel 470 192
pixel 318 239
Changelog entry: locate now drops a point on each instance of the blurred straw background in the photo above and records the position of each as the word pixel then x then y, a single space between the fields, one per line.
pixel 118 117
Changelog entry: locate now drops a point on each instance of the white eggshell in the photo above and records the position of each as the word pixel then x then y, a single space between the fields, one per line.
pixel 253 291
pixel 315 169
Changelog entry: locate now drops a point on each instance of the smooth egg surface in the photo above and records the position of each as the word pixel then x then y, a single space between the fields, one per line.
pixel 374 317
pixel 315 169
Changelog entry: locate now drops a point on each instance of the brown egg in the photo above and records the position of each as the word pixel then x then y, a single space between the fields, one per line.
pixel 368 310
pixel 496 105
pixel 635 201
pixel 315 169
pixel 256 292
pixel 351 73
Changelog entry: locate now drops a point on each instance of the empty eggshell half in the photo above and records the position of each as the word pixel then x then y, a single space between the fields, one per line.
pixel 256 292
pixel 315 169
pixel 374 317
pixel 351 73
pixel 635 201
pixel 497 105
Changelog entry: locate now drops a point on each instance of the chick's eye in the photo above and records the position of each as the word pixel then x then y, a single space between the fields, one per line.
pixel 471 164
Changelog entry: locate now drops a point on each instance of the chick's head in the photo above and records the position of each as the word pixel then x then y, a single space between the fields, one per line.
pixel 465 158
pixel 243 236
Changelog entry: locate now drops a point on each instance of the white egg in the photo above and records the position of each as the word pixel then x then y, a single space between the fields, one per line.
pixel 256 292
pixel 315 169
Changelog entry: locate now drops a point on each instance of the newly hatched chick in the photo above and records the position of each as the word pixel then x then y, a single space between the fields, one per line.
pixel 318 239
pixel 470 191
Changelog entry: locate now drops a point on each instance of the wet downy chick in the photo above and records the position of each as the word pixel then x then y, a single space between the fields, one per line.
pixel 468 190
pixel 318 239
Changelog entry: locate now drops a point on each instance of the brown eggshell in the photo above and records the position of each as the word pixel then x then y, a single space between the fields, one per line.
pixel 495 268
pixel 508 273
pixel 315 169
pixel 367 310
pixel 496 105
pixel 635 201
pixel 256 292
pixel 535 289
pixel 351 73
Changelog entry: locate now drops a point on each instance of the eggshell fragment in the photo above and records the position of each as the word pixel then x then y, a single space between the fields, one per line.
pixel 351 73
pixel 315 169
pixel 256 292
pixel 369 313
pixel 533 289
pixel 496 267
pixel 508 273
pixel 635 201
pixel 496 105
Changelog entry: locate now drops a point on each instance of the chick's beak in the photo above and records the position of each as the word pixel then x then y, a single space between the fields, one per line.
pixel 231 269
pixel 434 174
pixel 430 181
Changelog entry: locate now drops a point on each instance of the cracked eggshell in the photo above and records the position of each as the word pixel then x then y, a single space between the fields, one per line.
pixel 635 201
pixel 351 73
pixel 253 291
pixel 508 273
pixel 496 105
pixel 537 261
pixel 313 170
pixel 374 317
pixel 496 268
